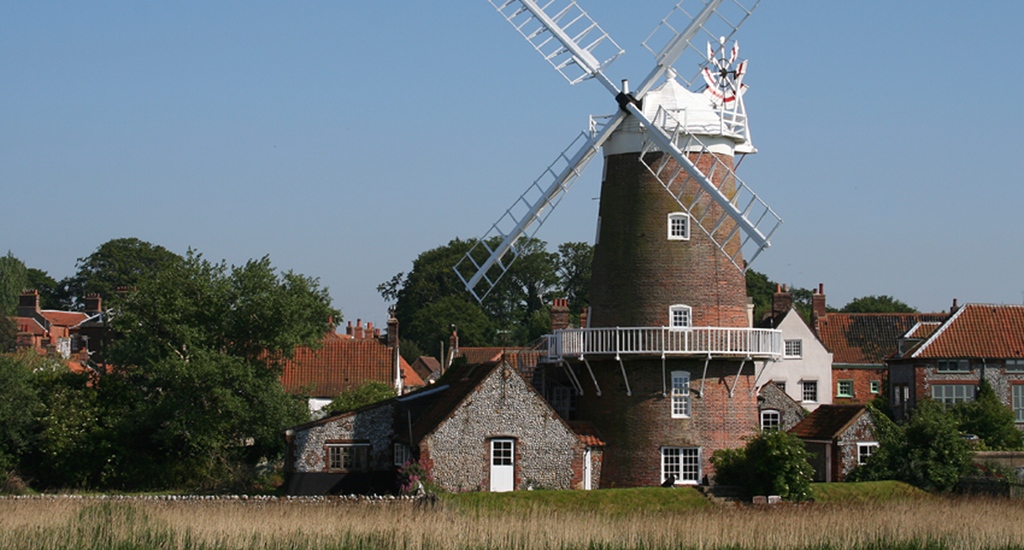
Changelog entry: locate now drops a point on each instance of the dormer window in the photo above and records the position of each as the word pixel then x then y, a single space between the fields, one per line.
pixel 678 226
pixel 680 316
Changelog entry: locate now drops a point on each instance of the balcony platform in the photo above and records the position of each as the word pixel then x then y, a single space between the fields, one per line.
pixel 694 342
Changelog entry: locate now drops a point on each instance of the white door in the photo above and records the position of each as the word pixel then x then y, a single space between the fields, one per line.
pixel 588 469
pixel 502 465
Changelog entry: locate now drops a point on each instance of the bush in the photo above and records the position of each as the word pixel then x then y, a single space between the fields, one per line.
pixel 773 463
pixel 990 420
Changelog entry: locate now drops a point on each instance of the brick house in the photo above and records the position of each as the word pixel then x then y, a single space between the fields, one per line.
pixel 805 370
pixel 480 427
pixel 46 330
pixel 947 362
pixel 839 438
pixel 345 361
pixel 860 344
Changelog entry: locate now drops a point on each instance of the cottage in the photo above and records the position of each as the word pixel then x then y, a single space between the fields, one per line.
pixel 946 362
pixel 479 427
pixel 805 371
pixel 839 438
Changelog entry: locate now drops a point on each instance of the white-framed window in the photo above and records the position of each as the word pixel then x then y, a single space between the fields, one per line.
pixel 682 464
pixel 502 452
pixel 770 420
pixel 951 394
pixel 678 226
pixel 680 394
pixel 844 388
pixel 794 349
pixel 876 386
pixel 864 450
pixel 810 390
pixel 401 454
pixel 1014 365
pixel 348 457
pixel 680 316
pixel 1017 391
pixel 954 365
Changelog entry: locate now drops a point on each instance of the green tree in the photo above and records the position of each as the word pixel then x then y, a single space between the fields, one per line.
pixel 13 279
pixel 195 400
pixel 8 334
pixel 369 392
pixel 760 289
pixel 116 263
pixel 772 463
pixel 877 304
pixel 927 452
pixel 990 420
pixel 19 407
pixel 51 293
pixel 573 268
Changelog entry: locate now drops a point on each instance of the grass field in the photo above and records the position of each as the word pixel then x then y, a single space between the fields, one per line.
pixel 657 518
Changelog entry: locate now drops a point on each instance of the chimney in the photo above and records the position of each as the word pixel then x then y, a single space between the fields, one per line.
pixel 560 314
pixel 453 342
pixel 93 304
pixel 348 329
pixel 28 304
pixel 818 309
pixel 782 300
pixel 357 332
pixel 392 331
pixel 583 318
pixel 955 307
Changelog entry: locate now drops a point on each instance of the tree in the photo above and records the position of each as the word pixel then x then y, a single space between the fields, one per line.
pixel 990 420
pixel 51 293
pixel 19 407
pixel 8 334
pixel 13 280
pixel 369 392
pixel 760 289
pixel 116 263
pixel 573 268
pixel 772 463
pixel 195 400
pixel 877 304
pixel 927 452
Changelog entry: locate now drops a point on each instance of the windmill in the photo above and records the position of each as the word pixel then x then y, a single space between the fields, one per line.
pixel 677 229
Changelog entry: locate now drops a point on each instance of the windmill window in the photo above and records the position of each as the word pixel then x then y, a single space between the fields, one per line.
pixel 681 464
pixel 679 226
pixel 680 394
pixel 680 316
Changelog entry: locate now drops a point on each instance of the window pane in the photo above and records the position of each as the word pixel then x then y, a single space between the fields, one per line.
pixel 810 391
pixel 770 420
pixel 680 394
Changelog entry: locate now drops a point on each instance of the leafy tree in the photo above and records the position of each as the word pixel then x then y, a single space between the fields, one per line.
pixel 13 280
pixel 877 304
pixel 760 289
pixel 116 263
pixel 927 452
pixel 195 400
pixel 772 463
pixel 990 420
pixel 370 391
pixel 19 406
pixel 51 293
pixel 8 334
pixel 573 269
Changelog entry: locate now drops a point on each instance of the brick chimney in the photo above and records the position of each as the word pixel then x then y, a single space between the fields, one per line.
pixel 583 318
pixel 93 304
pixel 28 304
pixel 818 308
pixel 782 300
pixel 560 314
pixel 955 307
pixel 392 330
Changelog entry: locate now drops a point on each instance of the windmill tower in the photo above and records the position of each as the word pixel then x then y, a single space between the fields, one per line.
pixel 667 368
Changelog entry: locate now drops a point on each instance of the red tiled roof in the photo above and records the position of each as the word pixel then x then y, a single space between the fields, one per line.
pixel 29 325
pixel 827 422
pixel 522 359
pixel 978 331
pixel 867 338
pixel 341 364
pixel 923 330
pixel 63 318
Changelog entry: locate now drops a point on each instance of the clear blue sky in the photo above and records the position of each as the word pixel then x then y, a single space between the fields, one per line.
pixel 344 138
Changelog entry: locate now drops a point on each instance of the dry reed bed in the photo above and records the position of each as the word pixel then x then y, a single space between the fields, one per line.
pixel 927 523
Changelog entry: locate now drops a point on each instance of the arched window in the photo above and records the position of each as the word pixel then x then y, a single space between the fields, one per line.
pixel 678 226
pixel 680 316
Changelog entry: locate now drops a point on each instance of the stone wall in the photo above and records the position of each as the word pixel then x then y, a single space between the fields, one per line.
pixel 373 426
pixel 771 397
pixel 862 431
pixel 547 453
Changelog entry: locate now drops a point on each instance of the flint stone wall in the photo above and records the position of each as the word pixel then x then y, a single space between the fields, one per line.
pixel 547 453
pixel 373 426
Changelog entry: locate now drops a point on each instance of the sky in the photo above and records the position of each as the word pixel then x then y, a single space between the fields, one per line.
pixel 344 138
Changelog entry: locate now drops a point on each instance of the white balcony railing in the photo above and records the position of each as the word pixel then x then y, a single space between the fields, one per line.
pixel 753 343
